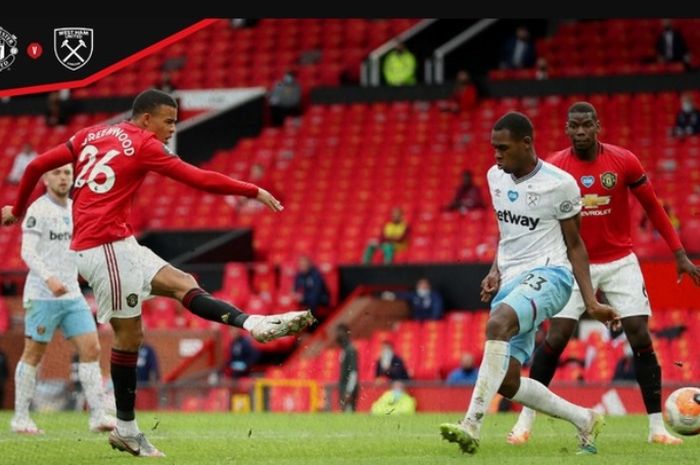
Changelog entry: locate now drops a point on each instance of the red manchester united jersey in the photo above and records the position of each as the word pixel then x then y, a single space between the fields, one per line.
pixel 110 165
pixel 604 184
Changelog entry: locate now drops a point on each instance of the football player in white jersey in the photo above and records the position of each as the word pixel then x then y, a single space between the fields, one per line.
pixel 539 254
pixel 52 299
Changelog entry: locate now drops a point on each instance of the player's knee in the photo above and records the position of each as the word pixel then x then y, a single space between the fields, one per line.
pixel 639 339
pixel 90 352
pixel 130 340
pixel 33 353
pixel 497 329
pixel 187 282
pixel 559 333
pixel 31 357
pixel 637 333
pixel 137 338
pixel 502 325
pixel 557 341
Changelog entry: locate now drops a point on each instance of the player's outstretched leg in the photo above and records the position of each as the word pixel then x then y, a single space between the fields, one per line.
pixel 172 282
pixel 544 365
pixel 589 432
pixel 262 328
pixel 268 328
pixel 589 423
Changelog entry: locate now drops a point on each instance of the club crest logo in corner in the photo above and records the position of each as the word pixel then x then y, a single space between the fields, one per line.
pixel 73 46
pixel 608 179
pixel 8 49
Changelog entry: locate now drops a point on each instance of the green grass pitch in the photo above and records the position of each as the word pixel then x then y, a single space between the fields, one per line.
pixel 328 439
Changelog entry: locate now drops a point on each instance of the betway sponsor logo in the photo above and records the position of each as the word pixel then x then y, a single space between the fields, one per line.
pixel 508 217
pixel 66 236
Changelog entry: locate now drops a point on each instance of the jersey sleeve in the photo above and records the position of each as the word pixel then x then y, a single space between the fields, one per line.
pixel 33 226
pixel 567 199
pixel 157 157
pixel 53 158
pixel 490 181
pixel 634 171
pixel 33 222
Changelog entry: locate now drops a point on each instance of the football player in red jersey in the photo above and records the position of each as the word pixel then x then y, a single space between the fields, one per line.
pixel 607 174
pixel 111 162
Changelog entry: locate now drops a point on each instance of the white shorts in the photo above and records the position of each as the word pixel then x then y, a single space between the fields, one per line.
pixel 120 274
pixel 623 285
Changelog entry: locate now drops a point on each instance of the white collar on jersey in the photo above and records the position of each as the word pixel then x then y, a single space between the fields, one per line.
pixel 55 202
pixel 538 166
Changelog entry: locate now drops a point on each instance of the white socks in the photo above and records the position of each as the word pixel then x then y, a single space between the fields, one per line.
pixel 128 428
pixel 527 415
pixel 25 382
pixel 91 379
pixel 537 396
pixel 491 373
pixel 656 424
pixel 525 419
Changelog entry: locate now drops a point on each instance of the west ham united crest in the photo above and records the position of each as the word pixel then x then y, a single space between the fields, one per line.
pixel 73 46
pixel 532 199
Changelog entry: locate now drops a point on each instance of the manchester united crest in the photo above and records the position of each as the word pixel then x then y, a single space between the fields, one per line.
pixel 8 49
pixel 608 179
pixel 73 46
pixel 132 300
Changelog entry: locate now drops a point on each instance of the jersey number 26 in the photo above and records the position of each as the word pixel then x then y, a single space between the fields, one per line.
pixel 95 169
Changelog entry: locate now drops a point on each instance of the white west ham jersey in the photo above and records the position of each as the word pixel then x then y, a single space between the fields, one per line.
pixel 528 212
pixel 53 225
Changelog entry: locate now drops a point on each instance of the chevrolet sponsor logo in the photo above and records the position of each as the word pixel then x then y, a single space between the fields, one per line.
pixel 595 200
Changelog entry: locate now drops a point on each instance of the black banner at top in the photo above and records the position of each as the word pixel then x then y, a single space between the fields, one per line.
pixel 46 55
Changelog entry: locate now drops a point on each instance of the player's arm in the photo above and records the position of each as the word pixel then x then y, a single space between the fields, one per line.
pixel 492 282
pixel 31 236
pixel 646 196
pixel 53 158
pixel 578 256
pixel 170 165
